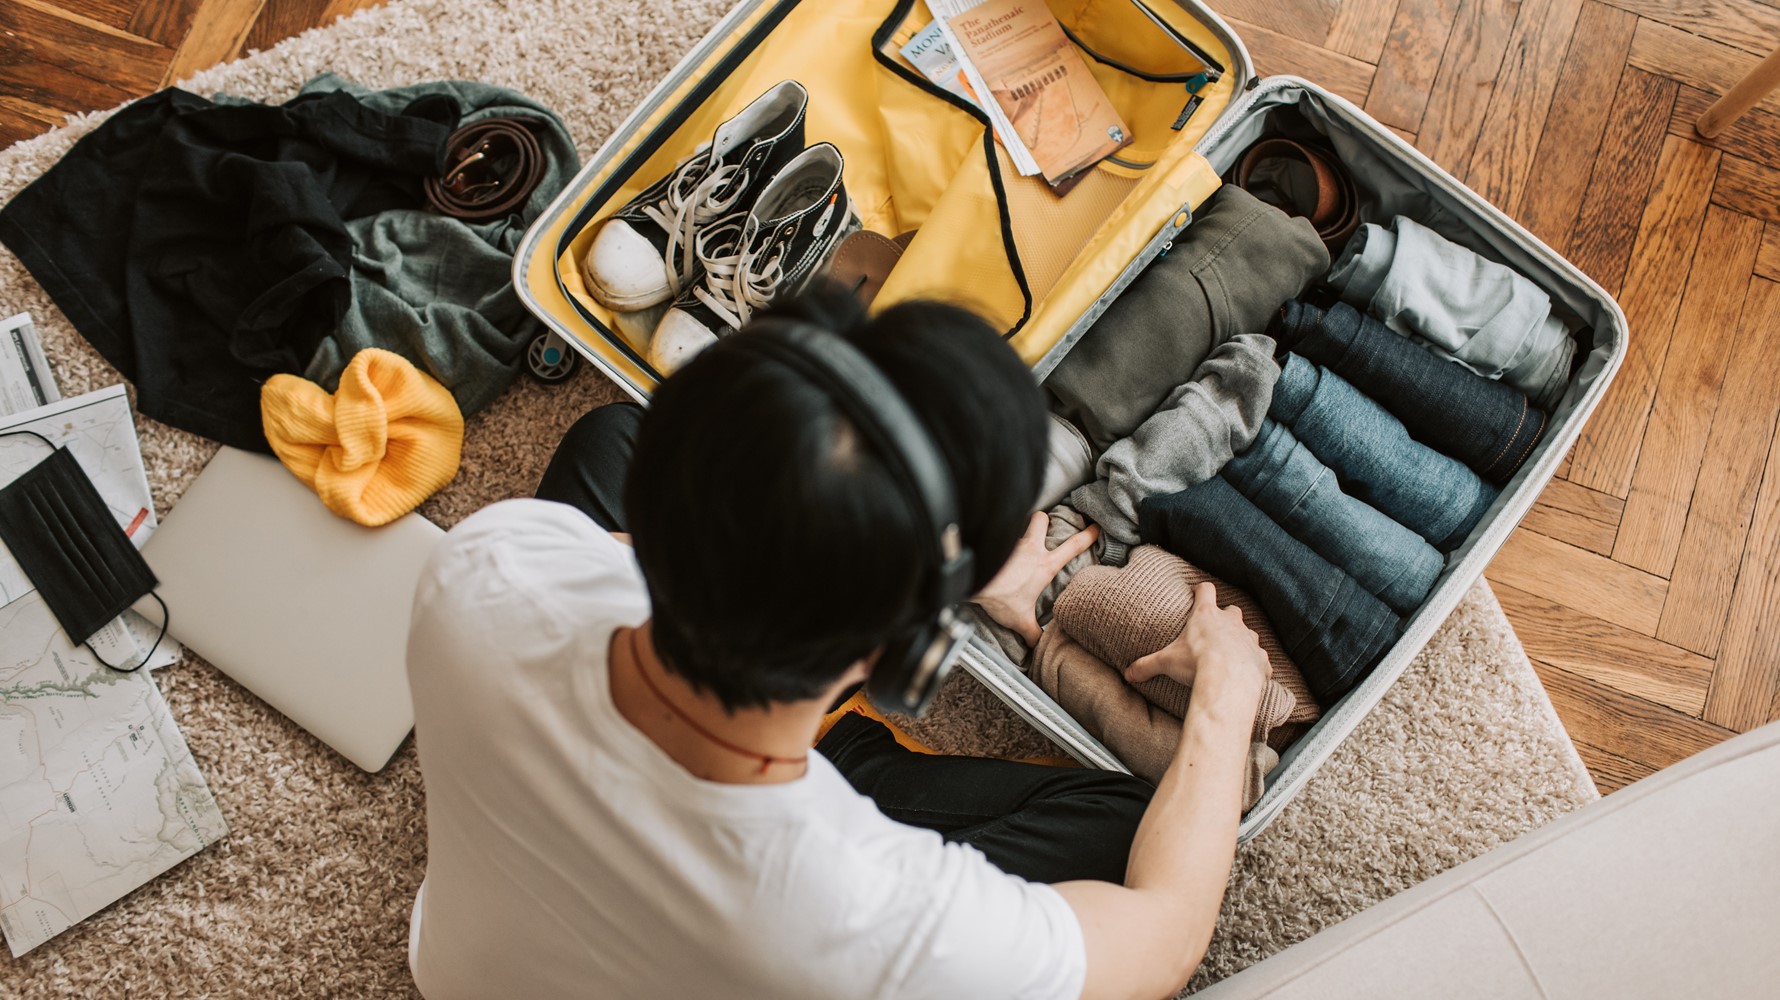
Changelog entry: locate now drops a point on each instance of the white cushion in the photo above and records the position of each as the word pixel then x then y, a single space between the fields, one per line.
pixel 1667 888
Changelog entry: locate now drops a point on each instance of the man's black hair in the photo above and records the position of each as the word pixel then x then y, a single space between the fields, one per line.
pixel 776 547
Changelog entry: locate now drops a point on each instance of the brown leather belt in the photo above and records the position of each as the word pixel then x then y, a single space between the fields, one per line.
pixel 1336 212
pixel 491 168
pixel 864 260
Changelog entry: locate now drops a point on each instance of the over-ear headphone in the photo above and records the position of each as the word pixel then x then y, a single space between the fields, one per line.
pixel 914 661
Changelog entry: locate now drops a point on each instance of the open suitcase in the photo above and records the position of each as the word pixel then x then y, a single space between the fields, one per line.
pixel 1041 268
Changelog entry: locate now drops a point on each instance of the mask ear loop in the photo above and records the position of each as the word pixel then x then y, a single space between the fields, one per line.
pixel 166 616
pixel 47 441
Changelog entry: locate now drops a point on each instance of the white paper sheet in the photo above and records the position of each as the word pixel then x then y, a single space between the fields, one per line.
pixel 25 379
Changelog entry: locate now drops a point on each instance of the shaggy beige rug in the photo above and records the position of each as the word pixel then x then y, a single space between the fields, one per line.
pixel 309 894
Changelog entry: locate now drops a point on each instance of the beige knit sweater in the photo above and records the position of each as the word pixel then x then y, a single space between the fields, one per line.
pixel 1122 614
pixel 1140 734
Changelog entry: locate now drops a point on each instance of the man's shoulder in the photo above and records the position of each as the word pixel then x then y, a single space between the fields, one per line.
pixel 524 521
pixel 533 543
pixel 528 564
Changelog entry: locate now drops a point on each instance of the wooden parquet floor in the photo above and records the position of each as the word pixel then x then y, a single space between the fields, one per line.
pixel 1646 583
pixel 63 56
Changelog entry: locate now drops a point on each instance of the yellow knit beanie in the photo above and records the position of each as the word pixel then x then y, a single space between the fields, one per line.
pixel 388 439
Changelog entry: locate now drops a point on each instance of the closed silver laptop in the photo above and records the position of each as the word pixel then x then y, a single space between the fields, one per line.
pixel 305 609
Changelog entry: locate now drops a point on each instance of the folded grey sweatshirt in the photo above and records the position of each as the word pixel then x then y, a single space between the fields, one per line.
pixel 1200 426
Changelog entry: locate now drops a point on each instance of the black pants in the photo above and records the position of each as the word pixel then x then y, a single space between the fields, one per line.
pixel 1045 824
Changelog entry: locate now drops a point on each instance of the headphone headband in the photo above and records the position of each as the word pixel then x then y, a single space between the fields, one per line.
pixel 890 426
pixel 910 667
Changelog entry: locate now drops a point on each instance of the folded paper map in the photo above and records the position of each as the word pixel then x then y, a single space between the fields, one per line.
pixel 98 793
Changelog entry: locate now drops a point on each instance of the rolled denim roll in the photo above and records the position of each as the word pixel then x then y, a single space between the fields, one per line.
pixel 1485 315
pixel 1490 426
pixel 1299 492
pixel 1376 459
pixel 1329 625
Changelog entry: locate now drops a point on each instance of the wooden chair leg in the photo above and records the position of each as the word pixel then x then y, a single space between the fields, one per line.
pixel 1748 92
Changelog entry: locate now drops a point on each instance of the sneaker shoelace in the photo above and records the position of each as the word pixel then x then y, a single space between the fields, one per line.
pixel 683 209
pixel 739 282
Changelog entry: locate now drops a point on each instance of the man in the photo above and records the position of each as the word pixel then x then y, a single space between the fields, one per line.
pixel 621 796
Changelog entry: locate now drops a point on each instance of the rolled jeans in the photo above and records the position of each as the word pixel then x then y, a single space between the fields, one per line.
pixel 1484 315
pixel 1378 462
pixel 1490 426
pixel 1299 493
pixel 1042 823
pixel 1327 623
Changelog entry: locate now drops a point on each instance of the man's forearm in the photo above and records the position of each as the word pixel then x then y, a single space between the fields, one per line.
pixel 1145 938
pixel 1188 836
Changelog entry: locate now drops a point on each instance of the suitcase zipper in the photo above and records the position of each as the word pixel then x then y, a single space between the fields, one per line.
pixel 1158 245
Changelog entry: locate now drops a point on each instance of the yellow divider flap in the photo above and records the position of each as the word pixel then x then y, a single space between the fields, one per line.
pixel 1187 180
pixel 917 158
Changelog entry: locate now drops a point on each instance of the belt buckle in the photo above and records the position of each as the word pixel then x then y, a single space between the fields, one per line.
pixel 455 180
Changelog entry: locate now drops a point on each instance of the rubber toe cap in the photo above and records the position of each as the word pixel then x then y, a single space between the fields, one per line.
pixel 623 269
pixel 678 339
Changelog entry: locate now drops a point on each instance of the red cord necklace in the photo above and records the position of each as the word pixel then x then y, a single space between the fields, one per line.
pixel 766 759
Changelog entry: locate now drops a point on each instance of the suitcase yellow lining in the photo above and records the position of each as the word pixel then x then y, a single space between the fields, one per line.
pixel 917 159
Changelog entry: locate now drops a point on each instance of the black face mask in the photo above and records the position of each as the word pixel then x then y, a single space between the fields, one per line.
pixel 64 537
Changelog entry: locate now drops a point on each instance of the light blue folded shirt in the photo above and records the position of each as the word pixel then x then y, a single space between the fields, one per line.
pixel 1484 315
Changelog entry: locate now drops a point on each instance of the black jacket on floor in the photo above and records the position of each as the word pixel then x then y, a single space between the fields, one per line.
pixel 202 248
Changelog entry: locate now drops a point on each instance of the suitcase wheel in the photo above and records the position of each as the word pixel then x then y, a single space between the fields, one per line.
pixel 549 359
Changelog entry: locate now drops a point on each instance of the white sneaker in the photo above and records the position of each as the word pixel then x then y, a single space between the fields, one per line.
pixel 752 258
pixel 644 254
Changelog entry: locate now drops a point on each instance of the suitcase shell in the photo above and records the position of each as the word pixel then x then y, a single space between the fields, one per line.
pixel 1051 323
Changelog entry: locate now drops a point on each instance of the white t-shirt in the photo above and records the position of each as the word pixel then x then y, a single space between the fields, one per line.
pixel 567 855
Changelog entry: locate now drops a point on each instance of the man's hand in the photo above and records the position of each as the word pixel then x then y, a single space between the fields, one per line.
pixel 1215 654
pixel 1012 597
pixel 1144 939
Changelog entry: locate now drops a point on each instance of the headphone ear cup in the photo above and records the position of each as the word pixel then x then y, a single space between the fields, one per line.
pixel 887 683
pixel 913 665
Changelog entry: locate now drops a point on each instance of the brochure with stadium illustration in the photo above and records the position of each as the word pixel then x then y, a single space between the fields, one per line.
pixel 1041 85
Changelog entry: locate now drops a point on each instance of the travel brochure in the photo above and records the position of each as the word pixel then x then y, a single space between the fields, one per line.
pixel 1044 103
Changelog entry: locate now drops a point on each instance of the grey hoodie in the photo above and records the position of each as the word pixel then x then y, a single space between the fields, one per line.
pixel 1201 425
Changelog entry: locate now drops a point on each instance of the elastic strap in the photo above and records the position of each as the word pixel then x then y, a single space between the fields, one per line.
pixel 166 618
pixel 52 445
